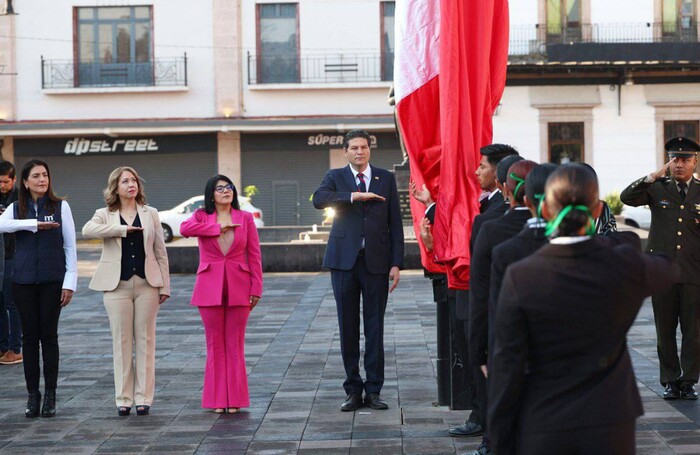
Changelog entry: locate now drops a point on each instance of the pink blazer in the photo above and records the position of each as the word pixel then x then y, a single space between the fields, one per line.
pixel 242 265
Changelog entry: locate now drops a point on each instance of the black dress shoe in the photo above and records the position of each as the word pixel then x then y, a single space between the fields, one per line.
pixel 467 430
pixel 142 410
pixel 123 411
pixel 33 404
pixel 373 401
pixel 481 450
pixel 48 409
pixel 671 392
pixel 351 403
pixel 688 392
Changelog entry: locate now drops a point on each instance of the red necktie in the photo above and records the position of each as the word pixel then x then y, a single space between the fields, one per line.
pixel 361 186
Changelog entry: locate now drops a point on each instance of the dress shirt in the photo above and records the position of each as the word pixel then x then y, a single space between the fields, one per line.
pixel 368 178
pixel 569 240
pixel 8 223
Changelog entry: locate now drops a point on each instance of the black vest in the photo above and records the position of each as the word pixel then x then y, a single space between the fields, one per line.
pixel 39 257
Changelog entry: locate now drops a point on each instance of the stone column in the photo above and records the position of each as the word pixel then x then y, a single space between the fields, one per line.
pixel 8 81
pixel 229 157
pixel 227 55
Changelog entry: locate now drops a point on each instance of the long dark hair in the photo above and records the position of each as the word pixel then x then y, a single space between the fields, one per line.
pixel 25 196
pixel 576 186
pixel 209 190
pixel 515 182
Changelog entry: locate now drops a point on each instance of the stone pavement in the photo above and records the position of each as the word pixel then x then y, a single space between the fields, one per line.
pixel 295 371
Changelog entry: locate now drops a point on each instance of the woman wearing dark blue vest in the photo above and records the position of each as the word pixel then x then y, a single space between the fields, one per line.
pixel 44 276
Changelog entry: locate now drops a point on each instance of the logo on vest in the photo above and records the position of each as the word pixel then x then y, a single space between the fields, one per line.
pixel 48 218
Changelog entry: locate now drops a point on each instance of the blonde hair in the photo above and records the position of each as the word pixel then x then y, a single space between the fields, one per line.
pixel 111 192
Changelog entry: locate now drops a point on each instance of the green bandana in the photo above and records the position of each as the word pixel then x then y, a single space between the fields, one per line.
pixel 517 187
pixel 552 225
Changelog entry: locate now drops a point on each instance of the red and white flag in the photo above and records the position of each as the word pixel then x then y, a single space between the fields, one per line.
pixel 450 69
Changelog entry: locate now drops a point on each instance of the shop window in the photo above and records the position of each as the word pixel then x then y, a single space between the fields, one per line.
pixel 114 46
pixel 387 36
pixel 563 21
pixel 278 42
pixel 566 142
pixel 679 20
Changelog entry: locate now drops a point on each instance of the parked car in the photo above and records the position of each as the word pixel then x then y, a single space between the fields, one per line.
pixel 639 217
pixel 171 219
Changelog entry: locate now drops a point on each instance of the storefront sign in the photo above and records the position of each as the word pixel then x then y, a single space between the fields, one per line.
pixel 83 146
pixel 333 139
pixel 80 146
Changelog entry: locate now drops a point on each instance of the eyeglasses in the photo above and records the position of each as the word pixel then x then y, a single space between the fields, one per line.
pixel 222 188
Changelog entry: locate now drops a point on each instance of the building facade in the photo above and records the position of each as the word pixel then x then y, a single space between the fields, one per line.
pixel 602 82
pixel 263 90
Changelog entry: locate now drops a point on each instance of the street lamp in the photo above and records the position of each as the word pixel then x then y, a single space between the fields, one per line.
pixel 8 10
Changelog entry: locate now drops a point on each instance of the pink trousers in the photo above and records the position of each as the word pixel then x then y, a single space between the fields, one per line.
pixel 225 378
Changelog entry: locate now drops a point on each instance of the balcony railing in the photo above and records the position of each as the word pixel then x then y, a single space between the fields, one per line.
pixel 320 69
pixel 163 72
pixel 532 39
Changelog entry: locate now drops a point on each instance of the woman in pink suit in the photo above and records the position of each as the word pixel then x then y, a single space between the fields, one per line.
pixel 227 288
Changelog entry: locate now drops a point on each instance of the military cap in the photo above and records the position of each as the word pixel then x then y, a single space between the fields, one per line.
pixel 681 147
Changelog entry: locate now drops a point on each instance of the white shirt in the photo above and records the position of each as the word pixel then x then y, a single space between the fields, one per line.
pixel 569 240
pixel 367 178
pixel 8 224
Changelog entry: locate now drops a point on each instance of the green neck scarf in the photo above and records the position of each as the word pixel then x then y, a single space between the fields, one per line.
pixel 553 225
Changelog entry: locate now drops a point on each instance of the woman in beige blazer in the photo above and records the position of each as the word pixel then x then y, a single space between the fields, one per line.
pixel 133 273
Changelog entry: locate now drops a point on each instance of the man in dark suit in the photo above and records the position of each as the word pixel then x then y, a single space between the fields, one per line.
pixel 526 242
pixel 492 205
pixel 364 253
pixel 675 230
pixel 492 233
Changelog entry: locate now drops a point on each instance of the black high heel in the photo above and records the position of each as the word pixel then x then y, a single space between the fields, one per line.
pixel 123 411
pixel 33 404
pixel 48 409
pixel 142 410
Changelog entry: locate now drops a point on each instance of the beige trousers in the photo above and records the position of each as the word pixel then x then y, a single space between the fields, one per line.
pixel 132 308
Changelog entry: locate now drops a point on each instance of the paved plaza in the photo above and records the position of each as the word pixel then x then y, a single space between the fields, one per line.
pixel 295 373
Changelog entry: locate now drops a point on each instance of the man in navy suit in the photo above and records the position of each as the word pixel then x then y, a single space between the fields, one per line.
pixel 364 253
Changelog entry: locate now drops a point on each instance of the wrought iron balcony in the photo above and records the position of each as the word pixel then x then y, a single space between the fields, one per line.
pixel 320 69
pixel 533 40
pixel 162 72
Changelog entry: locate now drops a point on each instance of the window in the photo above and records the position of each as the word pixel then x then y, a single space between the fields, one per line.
pixel 679 20
pixel 563 20
pixel 566 142
pixel 114 46
pixel 387 36
pixel 278 43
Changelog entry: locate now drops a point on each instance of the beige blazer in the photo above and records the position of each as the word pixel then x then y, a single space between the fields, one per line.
pixel 106 225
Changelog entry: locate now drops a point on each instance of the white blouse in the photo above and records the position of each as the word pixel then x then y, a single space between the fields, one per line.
pixel 8 224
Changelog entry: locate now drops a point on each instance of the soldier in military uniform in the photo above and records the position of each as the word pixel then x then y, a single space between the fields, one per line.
pixel 675 230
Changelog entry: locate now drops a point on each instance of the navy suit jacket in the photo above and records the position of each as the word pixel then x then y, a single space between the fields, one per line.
pixel 378 222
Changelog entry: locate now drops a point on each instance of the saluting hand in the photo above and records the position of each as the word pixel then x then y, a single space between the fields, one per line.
pixel 43 225
pixel 366 196
pixel 662 172
pixel 130 229
pixel 227 226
